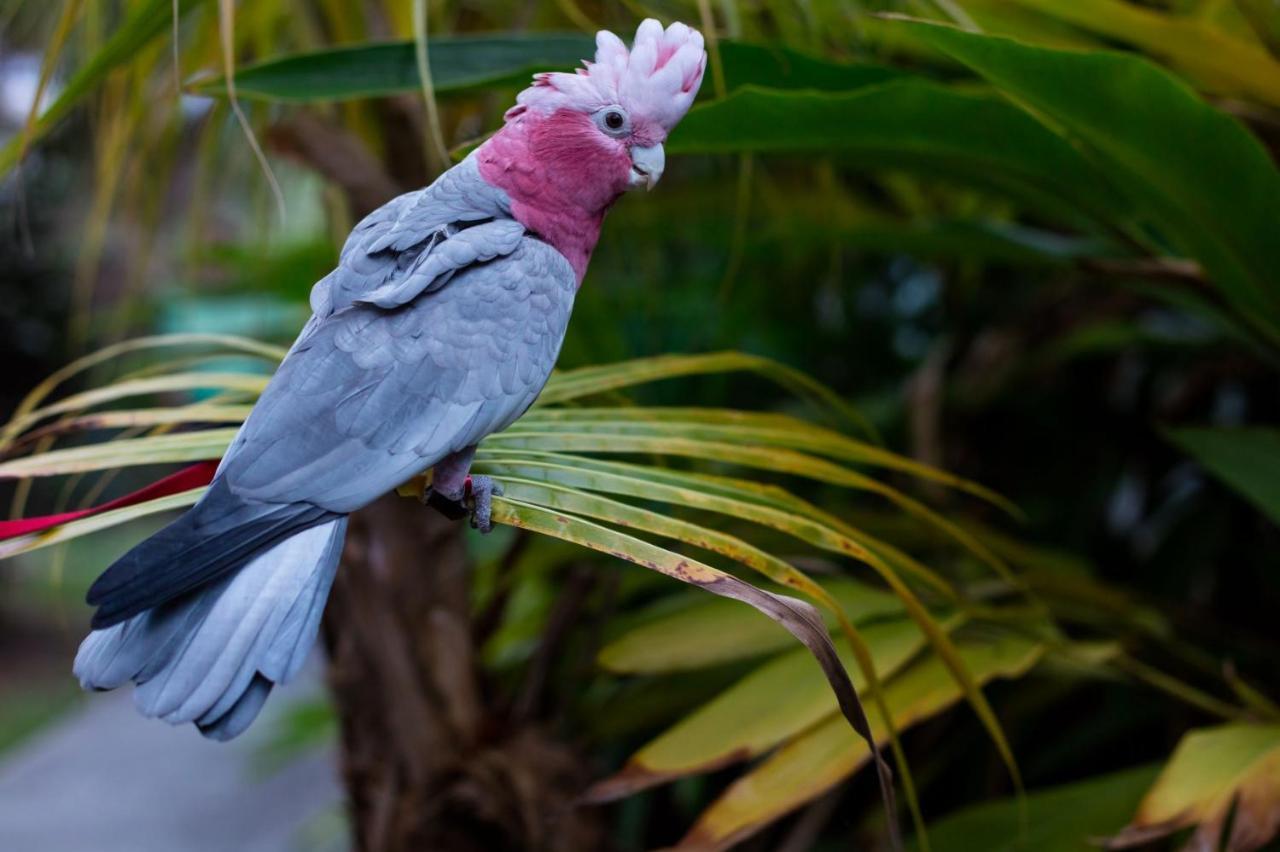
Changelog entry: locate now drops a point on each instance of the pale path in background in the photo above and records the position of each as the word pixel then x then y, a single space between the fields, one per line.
pixel 106 780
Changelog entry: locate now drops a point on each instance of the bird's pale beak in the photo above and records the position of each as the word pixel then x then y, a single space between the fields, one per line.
pixel 646 166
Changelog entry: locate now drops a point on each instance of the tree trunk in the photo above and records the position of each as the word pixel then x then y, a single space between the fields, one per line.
pixel 427 764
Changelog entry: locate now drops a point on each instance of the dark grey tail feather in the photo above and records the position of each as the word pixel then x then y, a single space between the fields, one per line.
pixel 216 536
pixel 212 656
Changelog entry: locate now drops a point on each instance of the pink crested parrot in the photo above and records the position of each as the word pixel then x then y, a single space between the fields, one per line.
pixel 439 326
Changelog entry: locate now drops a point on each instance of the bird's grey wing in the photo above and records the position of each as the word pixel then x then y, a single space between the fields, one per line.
pixel 447 253
pixel 391 245
pixel 373 396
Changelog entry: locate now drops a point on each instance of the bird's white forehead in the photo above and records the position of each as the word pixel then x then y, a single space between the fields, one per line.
pixel 657 78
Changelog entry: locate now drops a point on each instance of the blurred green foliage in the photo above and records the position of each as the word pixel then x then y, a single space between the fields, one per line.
pixel 1036 245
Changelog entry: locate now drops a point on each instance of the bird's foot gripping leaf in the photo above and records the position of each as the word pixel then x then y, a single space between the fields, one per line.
pixel 473 497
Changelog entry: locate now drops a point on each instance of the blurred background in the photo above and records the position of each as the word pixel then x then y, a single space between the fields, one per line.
pixel 1047 265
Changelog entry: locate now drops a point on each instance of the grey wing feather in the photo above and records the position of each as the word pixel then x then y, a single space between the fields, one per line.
pixel 388 242
pixel 371 396
pixel 450 252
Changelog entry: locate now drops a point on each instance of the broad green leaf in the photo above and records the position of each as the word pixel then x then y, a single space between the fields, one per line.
pixel 971 137
pixel 817 760
pixel 1219 61
pixel 775 702
pixel 714 632
pixel 1246 459
pixel 145 21
pixel 1215 774
pixel 1225 216
pixel 778 67
pixel 458 63
pixel 466 62
pixel 1069 818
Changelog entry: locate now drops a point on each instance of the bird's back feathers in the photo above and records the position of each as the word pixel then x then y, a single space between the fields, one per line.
pixel 370 396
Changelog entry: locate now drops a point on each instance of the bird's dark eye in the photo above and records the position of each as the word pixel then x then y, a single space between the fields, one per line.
pixel 614 120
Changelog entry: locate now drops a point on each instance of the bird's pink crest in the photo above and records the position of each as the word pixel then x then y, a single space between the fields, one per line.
pixel 655 81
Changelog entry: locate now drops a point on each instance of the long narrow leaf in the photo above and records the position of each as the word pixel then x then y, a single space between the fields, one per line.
pixel 140 387
pixel 800 619
pixel 80 365
pixel 127 452
pixel 95 523
pixel 570 385
pixel 714 631
pixel 743 427
pixel 776 460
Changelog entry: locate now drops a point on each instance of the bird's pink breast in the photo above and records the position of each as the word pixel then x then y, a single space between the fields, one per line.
pixel 561 175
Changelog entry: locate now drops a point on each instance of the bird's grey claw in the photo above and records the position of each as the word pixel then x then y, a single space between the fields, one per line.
pixel 483 488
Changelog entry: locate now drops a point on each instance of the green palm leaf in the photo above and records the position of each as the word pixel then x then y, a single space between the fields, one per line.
pixel 555 487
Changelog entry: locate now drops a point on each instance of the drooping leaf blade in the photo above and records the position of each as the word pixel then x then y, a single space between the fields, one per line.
pixel 714 632
pixel 799 618
pixel 811 525
pixel 765 458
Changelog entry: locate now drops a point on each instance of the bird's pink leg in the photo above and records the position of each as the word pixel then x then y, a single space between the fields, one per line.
pixel 455 493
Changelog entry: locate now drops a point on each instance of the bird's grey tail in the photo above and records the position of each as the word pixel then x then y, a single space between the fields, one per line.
pixel 212 655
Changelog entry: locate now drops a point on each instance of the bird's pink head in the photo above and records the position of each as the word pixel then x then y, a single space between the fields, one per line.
pixel 574 142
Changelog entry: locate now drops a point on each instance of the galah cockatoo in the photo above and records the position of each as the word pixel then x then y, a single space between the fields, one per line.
pixel 439 326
